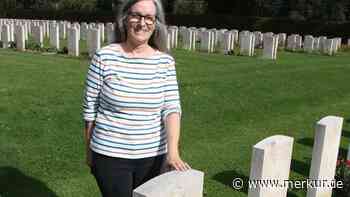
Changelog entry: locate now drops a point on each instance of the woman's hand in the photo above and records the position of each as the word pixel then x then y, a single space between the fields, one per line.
pixel 174 161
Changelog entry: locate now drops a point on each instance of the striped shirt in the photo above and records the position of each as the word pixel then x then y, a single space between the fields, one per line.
pixel 129 99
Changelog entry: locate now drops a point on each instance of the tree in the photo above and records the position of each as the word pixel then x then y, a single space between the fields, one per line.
pixel 26 4
pixel 338 12
pixel 105 4
pixel 169 6
pixel 88 5
pixel 190 7
pixel 272 7
pixel 9 4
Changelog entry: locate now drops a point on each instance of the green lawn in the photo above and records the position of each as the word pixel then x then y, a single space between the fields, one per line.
pixel 229 104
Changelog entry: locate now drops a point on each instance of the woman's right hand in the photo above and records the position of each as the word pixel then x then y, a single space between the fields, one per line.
pixel 175 162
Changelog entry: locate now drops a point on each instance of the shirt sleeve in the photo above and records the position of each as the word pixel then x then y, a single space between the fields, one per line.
pixel 93 85
pixel 172 102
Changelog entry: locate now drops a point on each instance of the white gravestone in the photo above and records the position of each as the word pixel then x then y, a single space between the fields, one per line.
pixel 187 36
pixel 233 39
pixel 47 32
pixel 101 27
pixel 227 40
pixel 212 40
pixel 174 34
pixel 328 47
pixel 324 154
pixel 316 44
pixel 198 35
pixel 258 39
pixel 270 47
pixel 77 26
pixel 38 35
pixel 308 44
pixel 84 27
pixel 299 41
pixel 271 160
pixel 5 35
pixel 54 36
pixel 43 26
pixel 206 41
pixel 12 32
pixel 268 34
pixel 337 42
pixel 247 43
pixel 168 41
pixel 224 42
pixel 63 30
pixel 0 31
pixel 194 39
pixel 252 46
pixel 20 38
pixel 236 35
pixel 323 40
pixel 26 30
pixel 93 41
pixel 111 33
pixel 73 42
pixel 182 35
pixel 171 32
pixel 291 42
pixel 173 184
pixel 282 40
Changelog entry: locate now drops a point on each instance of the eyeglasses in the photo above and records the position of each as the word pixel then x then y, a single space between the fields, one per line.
pixel 135 17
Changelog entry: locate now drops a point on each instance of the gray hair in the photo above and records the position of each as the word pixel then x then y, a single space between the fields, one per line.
pixel 158 38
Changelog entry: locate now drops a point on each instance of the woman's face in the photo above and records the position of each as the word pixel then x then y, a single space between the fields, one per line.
pixel 141 21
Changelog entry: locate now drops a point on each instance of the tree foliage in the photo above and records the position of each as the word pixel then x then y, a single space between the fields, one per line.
pixel 190 6
pixel 334 10
pixel 327 10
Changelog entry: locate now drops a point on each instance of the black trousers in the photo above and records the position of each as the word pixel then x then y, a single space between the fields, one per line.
pixel 117 177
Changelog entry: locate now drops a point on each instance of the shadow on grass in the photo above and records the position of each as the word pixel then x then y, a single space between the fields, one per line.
pixel 13 183
pixel 347 120
pixel 310 142
pixel 291 194
pixel 307 141
pixel 346 133
pixel 226 178
pixel 301 167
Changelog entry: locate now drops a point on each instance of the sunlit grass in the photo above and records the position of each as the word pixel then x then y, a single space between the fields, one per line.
pixel 229 104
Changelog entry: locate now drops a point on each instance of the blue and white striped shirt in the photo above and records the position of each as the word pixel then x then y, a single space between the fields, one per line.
pixel 129 99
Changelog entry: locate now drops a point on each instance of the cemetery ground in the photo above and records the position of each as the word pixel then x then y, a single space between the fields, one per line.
pixel 229 104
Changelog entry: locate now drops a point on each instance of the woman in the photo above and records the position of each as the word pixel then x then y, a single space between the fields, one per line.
pixel 131 104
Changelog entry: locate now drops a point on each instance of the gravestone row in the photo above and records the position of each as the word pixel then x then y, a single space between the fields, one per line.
pixel 13 30
pixel 190 38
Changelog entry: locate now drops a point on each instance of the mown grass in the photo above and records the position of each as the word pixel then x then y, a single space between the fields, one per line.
pixel 229 104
